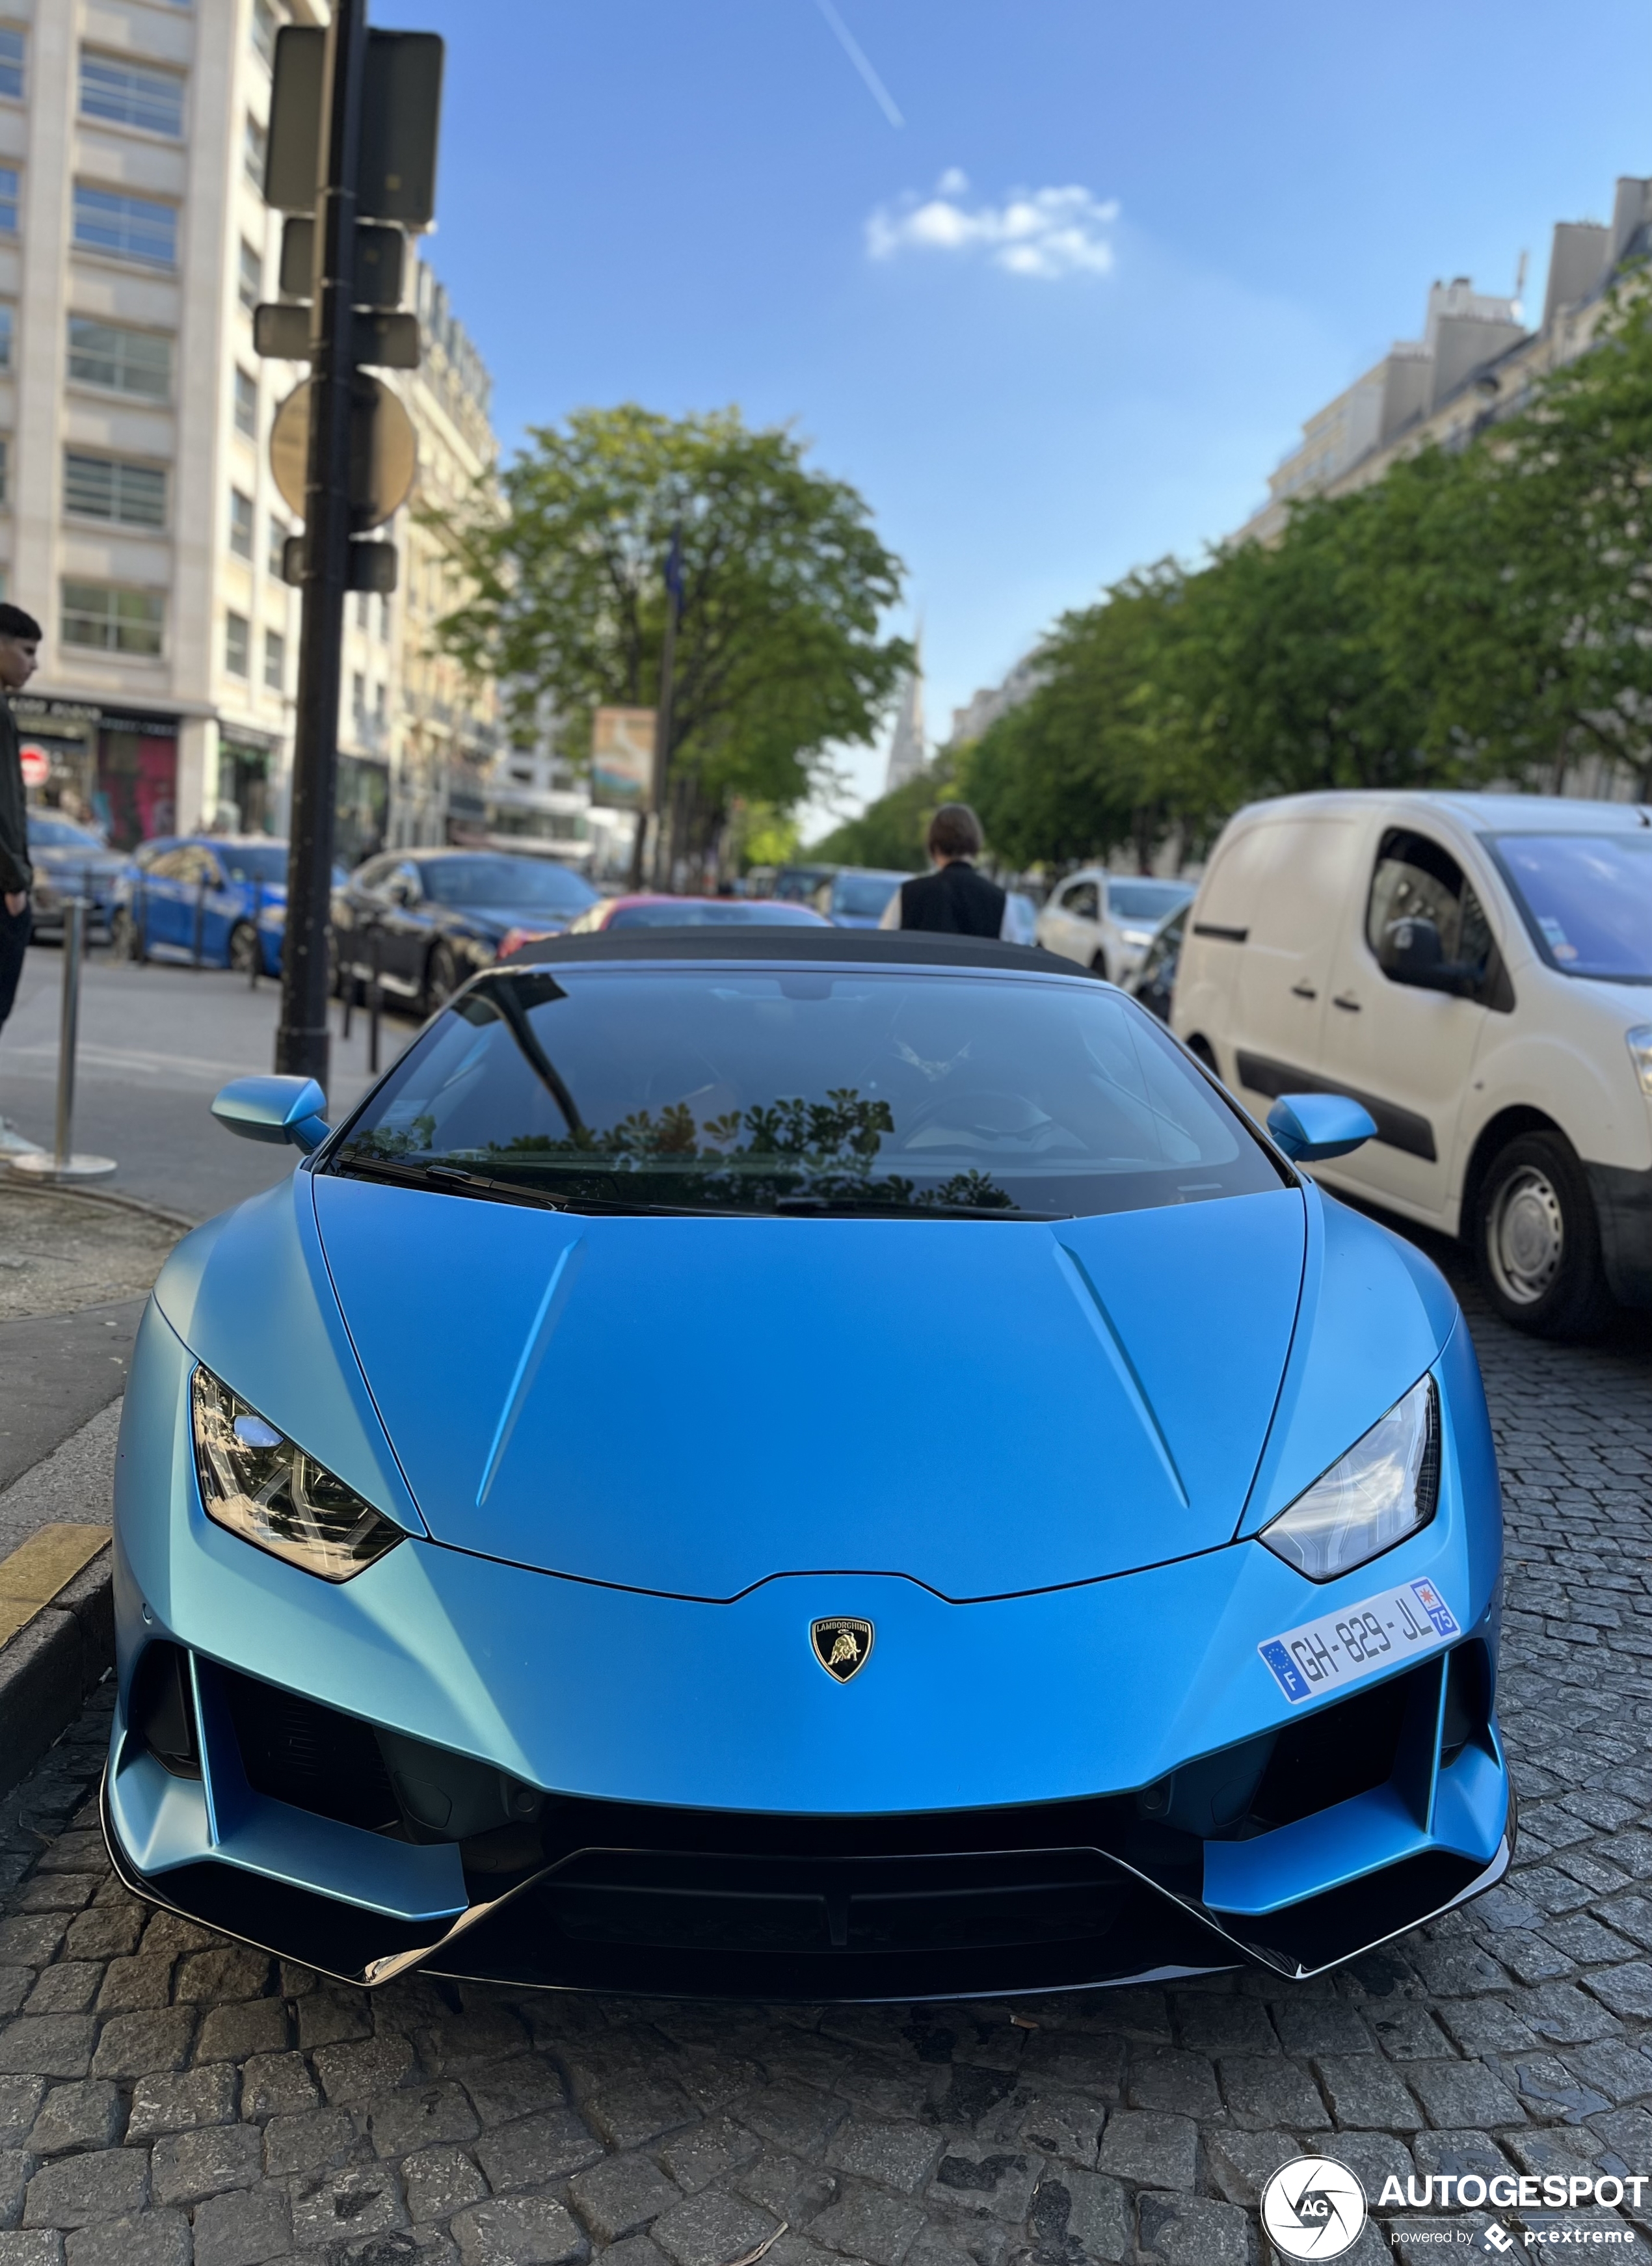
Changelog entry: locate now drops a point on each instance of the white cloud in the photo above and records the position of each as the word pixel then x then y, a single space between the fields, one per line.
pixel 1046 233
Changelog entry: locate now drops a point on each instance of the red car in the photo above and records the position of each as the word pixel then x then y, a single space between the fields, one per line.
pixel 645 912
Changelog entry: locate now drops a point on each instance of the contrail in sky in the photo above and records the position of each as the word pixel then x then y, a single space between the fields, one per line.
pixel 852 47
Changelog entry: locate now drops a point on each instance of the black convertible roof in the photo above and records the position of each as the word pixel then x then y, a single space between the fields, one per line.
pixel 788 947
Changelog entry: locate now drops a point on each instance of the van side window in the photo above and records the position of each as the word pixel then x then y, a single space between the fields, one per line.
pixel 1082 901
pixel 1415 878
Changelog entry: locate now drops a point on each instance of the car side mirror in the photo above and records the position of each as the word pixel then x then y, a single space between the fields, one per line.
pixel 273 1109
pixel 1411 952
pixel 1311 1126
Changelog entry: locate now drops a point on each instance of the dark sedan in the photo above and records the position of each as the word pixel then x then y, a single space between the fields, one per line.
pixel 69 860
pixel 422 921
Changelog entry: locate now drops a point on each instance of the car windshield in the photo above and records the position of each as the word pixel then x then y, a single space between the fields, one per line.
pixel 1587 898
pixel 488 881
pixel 263 862
pixel 63 834
pixel 714 913
pixel 863 896
pixel 1145 901
pixel 811 1090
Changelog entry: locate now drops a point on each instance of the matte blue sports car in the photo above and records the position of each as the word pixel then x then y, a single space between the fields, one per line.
pixel 911 1493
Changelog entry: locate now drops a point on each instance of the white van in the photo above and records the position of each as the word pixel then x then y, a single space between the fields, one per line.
pixel 1477 970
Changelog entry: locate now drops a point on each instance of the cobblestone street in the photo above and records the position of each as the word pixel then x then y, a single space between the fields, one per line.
pixel 167 2095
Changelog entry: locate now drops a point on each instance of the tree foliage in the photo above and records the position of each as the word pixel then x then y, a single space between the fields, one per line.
pixel 784 584
pixel 1478 614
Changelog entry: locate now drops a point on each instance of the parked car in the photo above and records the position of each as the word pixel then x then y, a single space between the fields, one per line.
pixel 1021 919
pixel 70 860
pixel 218 899
pixel 533 1562
pixel 799 883
pixel 646 911
pixel 857 896
pixel 1105 920
pixel 1477 968
pixel 1154 981
pixel 422 921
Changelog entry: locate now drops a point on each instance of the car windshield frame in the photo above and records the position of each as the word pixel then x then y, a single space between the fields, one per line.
pixel 756 1148
pixel 1532 921
pixel 574 895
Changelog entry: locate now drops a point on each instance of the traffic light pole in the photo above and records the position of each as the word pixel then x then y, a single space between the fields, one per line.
pixel 302 1035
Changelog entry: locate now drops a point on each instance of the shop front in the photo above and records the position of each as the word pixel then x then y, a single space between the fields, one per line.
pixel 119 770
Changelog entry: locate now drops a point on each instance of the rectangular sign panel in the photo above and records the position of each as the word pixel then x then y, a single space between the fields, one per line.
pixel 622 758
pixel 1378 1633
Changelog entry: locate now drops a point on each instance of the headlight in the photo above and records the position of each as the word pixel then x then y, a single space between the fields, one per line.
pixel 1386 1486
pixel 1639 1042
pixel 265 1488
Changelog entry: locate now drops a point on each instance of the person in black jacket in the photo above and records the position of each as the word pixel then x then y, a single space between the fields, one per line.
pixel 20 647
pixel 954 900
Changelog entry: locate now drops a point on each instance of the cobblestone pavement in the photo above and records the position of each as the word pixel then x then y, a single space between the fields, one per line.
pixel 164 2094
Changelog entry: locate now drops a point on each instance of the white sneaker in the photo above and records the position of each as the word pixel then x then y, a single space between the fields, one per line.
pixel 15 1143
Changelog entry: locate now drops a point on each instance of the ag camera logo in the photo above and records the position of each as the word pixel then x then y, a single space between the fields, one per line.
pixel 1314 2207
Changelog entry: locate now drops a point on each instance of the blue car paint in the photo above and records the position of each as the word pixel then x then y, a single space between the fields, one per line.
pixel 811 1343
pixel 581 1686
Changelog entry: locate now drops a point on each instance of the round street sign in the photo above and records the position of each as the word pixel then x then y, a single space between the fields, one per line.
pixel 383 451
pixel 37 767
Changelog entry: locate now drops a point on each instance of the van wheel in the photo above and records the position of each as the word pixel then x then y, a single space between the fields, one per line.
pixel 1098 966
pixel 1537 1239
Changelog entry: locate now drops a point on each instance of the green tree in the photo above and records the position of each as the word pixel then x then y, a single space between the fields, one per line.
pixel 784 581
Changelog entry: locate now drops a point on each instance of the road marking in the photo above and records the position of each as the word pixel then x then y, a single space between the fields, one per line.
pixel 37 1570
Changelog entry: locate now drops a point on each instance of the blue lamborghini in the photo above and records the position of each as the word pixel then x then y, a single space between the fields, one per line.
pixel 913 1495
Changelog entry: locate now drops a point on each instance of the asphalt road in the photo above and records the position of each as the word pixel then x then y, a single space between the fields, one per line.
pixel 165 2095
pixel 155 1044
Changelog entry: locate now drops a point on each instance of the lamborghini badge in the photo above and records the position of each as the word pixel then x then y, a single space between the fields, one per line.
pixel 843 1647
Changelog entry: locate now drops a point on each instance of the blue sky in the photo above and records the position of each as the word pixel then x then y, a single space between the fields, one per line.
pixel 694 205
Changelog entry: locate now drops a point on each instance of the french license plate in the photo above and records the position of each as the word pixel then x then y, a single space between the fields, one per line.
pixel 1379 1631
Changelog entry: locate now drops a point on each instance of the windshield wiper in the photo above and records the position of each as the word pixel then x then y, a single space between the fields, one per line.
pixel 459 1180
pixel 871 1208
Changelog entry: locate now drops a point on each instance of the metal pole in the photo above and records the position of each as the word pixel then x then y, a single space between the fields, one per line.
pixel 258 942
pixel 200 919
pixel 375 1005
pixel 61 1163
pixel 302 1039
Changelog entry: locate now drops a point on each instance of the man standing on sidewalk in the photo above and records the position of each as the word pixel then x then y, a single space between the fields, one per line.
pixel 19 650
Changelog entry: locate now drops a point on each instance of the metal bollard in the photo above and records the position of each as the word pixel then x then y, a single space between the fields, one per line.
pixel 375 1003
pixel 258 941
pixel 61 1163
pixel 200 919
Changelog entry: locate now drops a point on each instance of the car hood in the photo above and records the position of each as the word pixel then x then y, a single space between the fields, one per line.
pixel 694 1406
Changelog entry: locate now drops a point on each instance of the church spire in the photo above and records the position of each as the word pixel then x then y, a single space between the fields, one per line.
pixel 909 746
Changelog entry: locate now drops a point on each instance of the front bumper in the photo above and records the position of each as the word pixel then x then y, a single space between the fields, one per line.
pixel 1007 1798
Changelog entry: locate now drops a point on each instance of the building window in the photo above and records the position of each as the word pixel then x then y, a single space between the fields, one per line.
pixel 240 523
pixel 276 562
pixel 7 317
pixel 237 644
pixel 131 94
pixel 109 487
pixel 111 620
pixel 127 362
pixel 12 64
pixel 246 405
pixel 250 289
pixel 274 661
pixel 130 228
pixel 254 150
pixel 265 26
pixel 358 699
pixel 8 200
pixel 379 702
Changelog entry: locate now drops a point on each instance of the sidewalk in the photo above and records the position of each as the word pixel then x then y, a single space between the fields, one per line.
pixel 155 1044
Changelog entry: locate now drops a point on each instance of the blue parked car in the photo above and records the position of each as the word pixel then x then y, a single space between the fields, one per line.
pixel 857 896
pixel 794 1465
pixel 70 860
pixel 214 899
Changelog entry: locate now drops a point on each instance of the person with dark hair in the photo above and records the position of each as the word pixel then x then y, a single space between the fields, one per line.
pixel 954 900
pixel 20 651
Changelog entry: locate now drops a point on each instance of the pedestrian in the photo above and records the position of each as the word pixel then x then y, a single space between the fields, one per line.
pixel 954 900
pixel 19 650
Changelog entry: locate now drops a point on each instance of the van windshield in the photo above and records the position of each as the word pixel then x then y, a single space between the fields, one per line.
pixel 1587 899
pixel 733 1090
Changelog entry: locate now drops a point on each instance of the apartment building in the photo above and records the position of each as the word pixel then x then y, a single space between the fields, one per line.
pixel 138 517
pixel 1476 362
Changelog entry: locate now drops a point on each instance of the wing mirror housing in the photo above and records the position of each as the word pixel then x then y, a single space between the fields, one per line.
pixel 1311 1126
pixel 274 1109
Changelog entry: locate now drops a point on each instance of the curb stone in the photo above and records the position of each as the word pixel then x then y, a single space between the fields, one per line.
pixel 51 1666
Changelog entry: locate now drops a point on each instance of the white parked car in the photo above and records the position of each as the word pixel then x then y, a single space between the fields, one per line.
pixel 1477 970
pixel 1106 921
